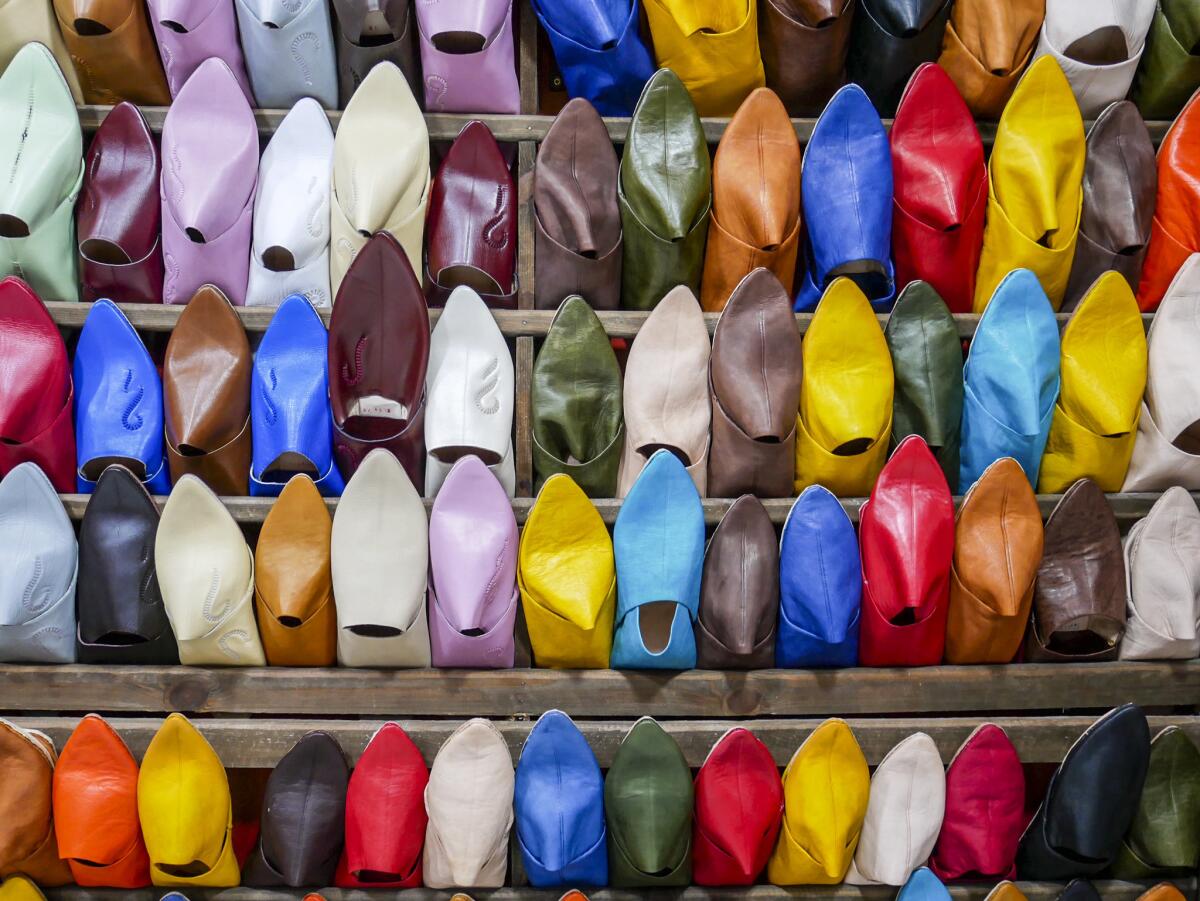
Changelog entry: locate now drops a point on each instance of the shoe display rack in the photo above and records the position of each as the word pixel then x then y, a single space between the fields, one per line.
pixel 252 717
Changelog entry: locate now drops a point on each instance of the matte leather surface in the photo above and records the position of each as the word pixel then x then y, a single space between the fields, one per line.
pixel 927 361
pixel 378 360
pixel 1170 69
pixel 576 222
pixel 846 184
pixel 890 39
pixel 121 614
pixel 818 617
pixel 987 46
pixel 1035 194
pixel 998 540
pixel 923 885
pixel 1079 603
pixel 599 50
pixel 941 187
pixel 23 21
pixel 95 809
pixel 567 579
pixel 1164 837
pixel 41 566
pixel 120 212
pixel 289 51
pixel 189 32
pixel 804 46
pixel 739 810
pixel 113 51
pixel 210 140
pixel 739 596
pixel 468 56
pixel 27 841
pixel 369 32
pixel 559 806
pixel 41 149
pixel 754 381
pixel 576 396
pixel 665 194
pixel 206 394
pixel 648 805
pixel 1077 831
pixel 755 200
pixel 985 809
pixel 186 810
pixel 1011 380
pixel 1120 186
pixel 658 542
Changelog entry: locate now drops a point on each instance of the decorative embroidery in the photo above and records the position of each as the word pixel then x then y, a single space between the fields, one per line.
pixel 486 399
pixel 228 638
pixel 132 424
pixel 436 88
pixel 210 599
pixel 272 412
pixel 298 43
pixel 495 234
pixel 351 377
pixel 36 598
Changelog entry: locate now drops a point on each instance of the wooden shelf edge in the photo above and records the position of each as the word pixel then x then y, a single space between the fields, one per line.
pixel 861 691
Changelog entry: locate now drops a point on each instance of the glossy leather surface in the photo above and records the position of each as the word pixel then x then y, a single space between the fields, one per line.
pixel 941 187
pixel 23 21
pixel 472 570
pixel 846 396
pixel 985 809
pixel 754 381
pixel 211 140
pixel 825 788
pixel 380 557
pixel 471 235
pixel 1035 197
pixel 648 799
pixel 289 51
pixel 576 396
pixel 739 810
pixel 739 595
pixel 1091 800
pixel 289 403
pixel 293 581
pixel 289 250
pixel 1170 69
pixel 1162 568
pixel 712 47
pixel 121 614
pixel 120 212
pixel 36 390
pixel 665 194
pixel 1175 231
pixel 378 360
pixel 1103 378
pixel 119 405
pixel 185 809
pixel 1164 837
pixel 567 577
pixel 818 618
pixel 1120 186
pixel 1079 602
pixel 576 220
pixel 41 566
pixel 206 575
pixel 303 816
pixel 986 48
pixel 468 57
pixel 599 51
pixel 41 149
pixel 927 361
pixel 923 885
pixel 369 32
pixel 28 844
pixel 385 814
pixel 113 51
pixel 755 200
pixel 95 809
pixel 666 402
pixel 998 540
pixel 470 802
pixel 846 184
pixel 890 39
pixel 906 532
pixel 658 542
pixel 804 46
pixel 206 394
pixel 189 32
pixel 559 806
pixel 376 191
pixel 1011 380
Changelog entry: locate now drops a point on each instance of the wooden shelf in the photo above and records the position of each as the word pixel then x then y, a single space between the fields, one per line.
pixel 861 691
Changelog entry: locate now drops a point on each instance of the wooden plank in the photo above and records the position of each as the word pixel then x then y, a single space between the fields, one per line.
pixel 1035 891
pixel 513 323
pixel 599 693
pixel 243 744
